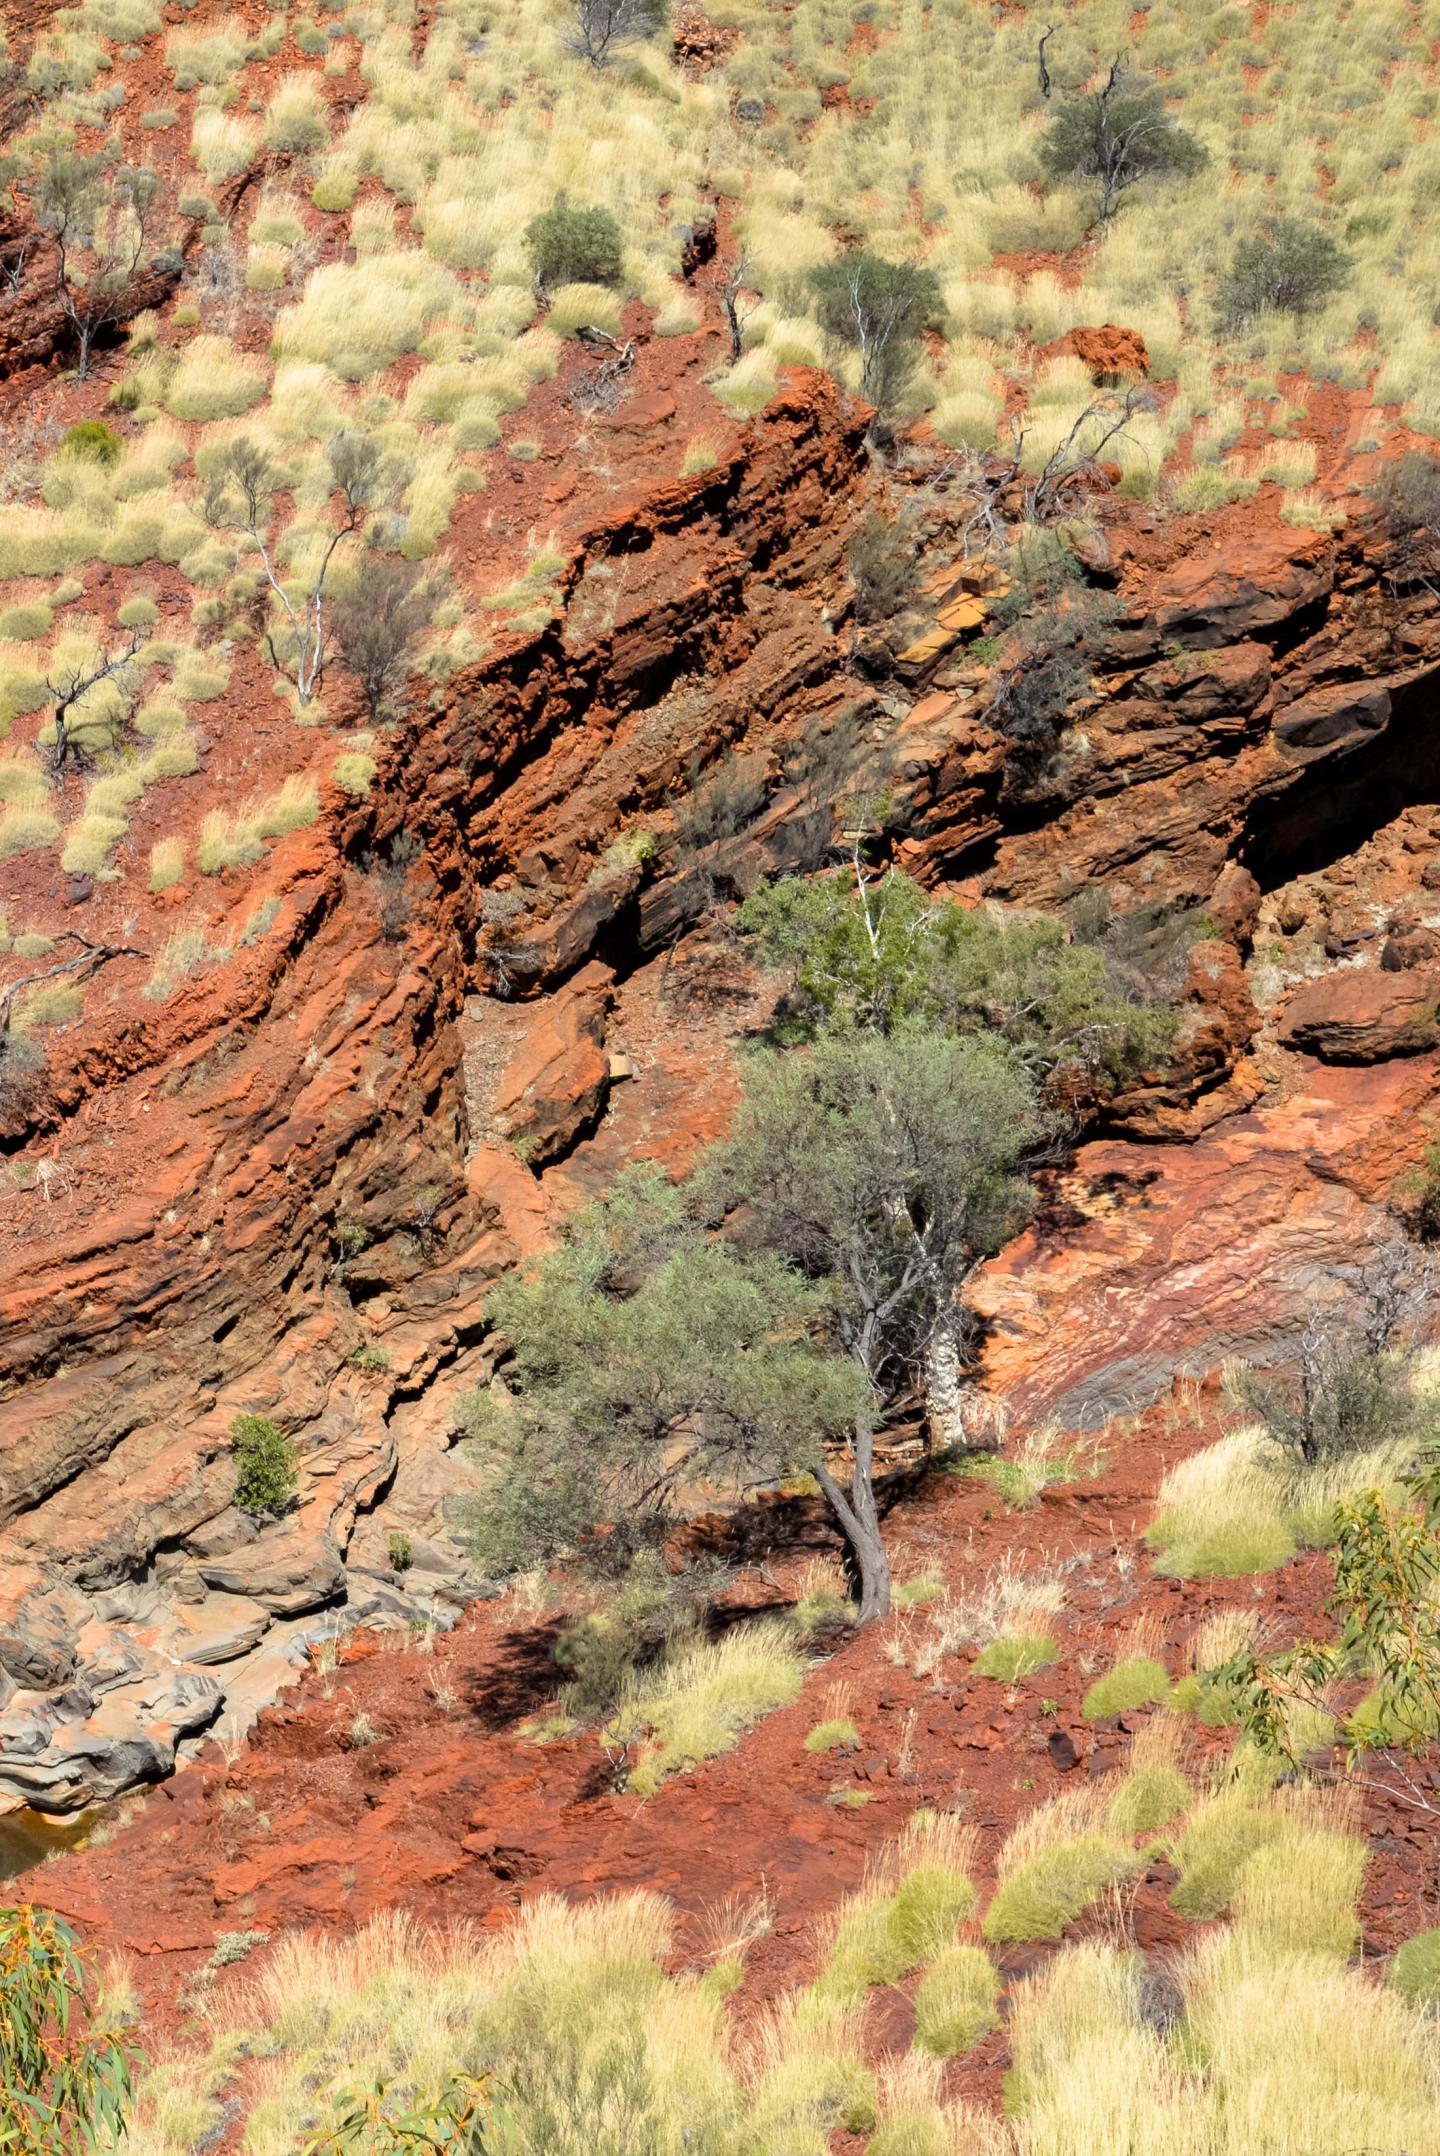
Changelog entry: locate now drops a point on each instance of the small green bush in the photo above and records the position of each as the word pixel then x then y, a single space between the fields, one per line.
pixel 881 1938
pixel 1039 1899
pixel 1206 1697
pixel 956 2002
pixel 570 245
pixel 398 1549
pixel 1140 1682
pixel 1415 1969
pixel 829 1736
pixel 906 1594
pixel 1291 268
pixel 926 1908
pixel 265 1477
pixel 1016 1655
pixel 138 613
pixel 91 440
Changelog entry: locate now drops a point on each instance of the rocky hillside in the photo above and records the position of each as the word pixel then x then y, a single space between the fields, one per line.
pixel 326 1004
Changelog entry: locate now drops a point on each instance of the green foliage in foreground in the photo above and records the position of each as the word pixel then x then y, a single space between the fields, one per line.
pixel 265 1477
pixel 1387 1572
pixel 65 2082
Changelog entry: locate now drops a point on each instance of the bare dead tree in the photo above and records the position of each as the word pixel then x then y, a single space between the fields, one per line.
pixel 602 26
pixel 732 288
pixel 1077 454
pixel 239 494
pixel 1045 84
pixel 598 389
pixel 87 960
pixel 14 260
pixel 76 681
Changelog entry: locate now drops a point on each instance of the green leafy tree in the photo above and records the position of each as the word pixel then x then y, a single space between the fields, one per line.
pixel 66 2077
pixel 647 1361
pixel 884 1166
pixel 1289 268
pixel 879 309
pixel 265 1476
pixel 1118 136
pixel 875 951
pixel 1387 1582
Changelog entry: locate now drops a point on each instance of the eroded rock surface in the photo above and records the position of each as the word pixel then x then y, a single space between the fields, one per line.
pixel 288 1191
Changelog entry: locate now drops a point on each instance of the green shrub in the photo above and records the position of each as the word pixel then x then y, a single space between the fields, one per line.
pixel 881 1937
pixel 1290 268
pixel 956 2002
pixel 927 1907
pixel 906 1594
pixel 398 1550
pixel 829 1736
pixel 91 440
pixel 265 1477
pixel 1015 1655
pixel 1140 1682
pixel 1044 1895
pixel 1415 1969
pixel 138 613
pixel 1208 1699
pixel 570 245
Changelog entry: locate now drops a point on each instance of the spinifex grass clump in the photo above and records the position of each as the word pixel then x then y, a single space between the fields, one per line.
pixel 957 2001
pixel 1015 1655
pixel 1059 1859
pixel 701 1697
pixel 918 1893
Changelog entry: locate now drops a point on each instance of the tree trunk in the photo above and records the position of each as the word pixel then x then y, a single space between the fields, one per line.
pixel 944 1391
pixel 860 1518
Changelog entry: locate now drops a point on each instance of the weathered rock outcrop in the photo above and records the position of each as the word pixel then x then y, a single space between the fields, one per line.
pixel 287 1193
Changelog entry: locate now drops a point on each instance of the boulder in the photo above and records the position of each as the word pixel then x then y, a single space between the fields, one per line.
pixel 218 1628
pixel 555 1086
pixel 287 1572
pixel 37 1628
pixel 129 1738
pixel 1108 352
pixel 1208 600
pixel 1342 712
pixel 1363 1016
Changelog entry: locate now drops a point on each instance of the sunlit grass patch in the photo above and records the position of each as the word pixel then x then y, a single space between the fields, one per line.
pixel 701 1697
